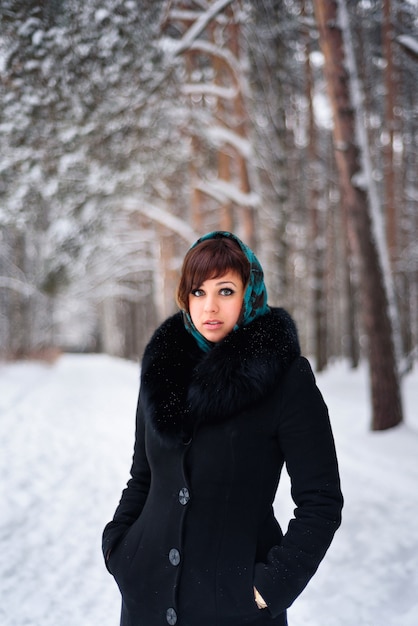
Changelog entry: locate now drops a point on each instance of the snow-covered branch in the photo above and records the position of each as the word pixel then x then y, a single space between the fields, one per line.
pixel 223 191
pixel 162 216
pixel 188 15
pixel 221 53
pixel 409 43
pixel 17 285
pixel 199 26
pixel 217 91
pixel 219 135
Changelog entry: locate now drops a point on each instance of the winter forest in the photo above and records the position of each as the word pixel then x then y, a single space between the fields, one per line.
pixel 128 128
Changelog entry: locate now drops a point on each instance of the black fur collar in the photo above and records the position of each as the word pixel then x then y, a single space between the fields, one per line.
pixel 181 386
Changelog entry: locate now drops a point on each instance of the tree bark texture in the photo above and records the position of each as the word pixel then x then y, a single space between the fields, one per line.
pixel 389 166
pixel 319 295
pixel 229 113
pixel 384 381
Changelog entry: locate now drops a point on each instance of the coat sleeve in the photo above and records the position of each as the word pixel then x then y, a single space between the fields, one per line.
pixel 307 443
pixel 135 494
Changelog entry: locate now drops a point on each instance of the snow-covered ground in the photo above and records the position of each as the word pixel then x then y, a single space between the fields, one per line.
pixel 66 433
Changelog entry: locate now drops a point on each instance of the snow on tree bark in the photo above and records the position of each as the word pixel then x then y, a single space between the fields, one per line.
pixel 209 42
pixel 383 366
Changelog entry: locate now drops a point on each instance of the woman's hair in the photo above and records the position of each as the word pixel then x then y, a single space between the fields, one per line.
pixel 210 259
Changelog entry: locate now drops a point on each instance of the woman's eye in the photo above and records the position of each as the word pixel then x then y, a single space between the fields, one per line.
pixel 226 291
pixel 197 292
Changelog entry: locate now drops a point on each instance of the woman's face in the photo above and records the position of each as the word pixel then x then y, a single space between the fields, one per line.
pixel 215 306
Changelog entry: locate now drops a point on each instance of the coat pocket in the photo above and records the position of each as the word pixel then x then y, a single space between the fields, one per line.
pixel 123 554
pixel 235 590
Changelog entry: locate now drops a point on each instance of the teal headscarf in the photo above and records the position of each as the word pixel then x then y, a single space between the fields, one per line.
pixel 255 296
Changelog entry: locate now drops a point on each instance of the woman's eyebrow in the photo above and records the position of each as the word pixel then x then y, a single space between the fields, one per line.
pixel 226 282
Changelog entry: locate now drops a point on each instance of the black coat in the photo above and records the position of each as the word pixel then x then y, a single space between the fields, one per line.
pixel 195 528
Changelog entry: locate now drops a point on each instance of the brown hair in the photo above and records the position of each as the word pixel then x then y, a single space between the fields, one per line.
pixel 210 259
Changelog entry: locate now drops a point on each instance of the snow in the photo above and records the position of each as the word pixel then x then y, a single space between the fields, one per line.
pixel 219 135
pixel 211 49
pixel 408 42
pixel 101 15
pixel 67 435
pixel 160 215
pixel 217 91
pixel 223 191
pixel 17 285
pixel 365 177
pixel 199 26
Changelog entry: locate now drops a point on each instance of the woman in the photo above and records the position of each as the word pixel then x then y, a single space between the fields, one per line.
pixel 225 400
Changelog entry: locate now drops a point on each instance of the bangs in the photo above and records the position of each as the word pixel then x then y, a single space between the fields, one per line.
pixel 208 266
pixel 211 259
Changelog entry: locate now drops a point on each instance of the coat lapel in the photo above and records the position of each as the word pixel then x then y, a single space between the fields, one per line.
pixel 182 386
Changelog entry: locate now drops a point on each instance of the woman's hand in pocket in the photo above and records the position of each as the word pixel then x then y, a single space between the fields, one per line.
pixel 259 600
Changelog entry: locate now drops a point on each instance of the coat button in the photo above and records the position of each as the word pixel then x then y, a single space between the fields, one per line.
pixel 174 556
pixel 171 616
pixel 184 495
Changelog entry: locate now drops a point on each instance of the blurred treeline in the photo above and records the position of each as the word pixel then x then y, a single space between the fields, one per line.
pixel 128 128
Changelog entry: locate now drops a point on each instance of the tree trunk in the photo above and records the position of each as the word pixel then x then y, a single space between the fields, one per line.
pixel 240 118
pixel 384 380
pixel 318 248
pixel 390 121
pixel 219 49
pixel 226 213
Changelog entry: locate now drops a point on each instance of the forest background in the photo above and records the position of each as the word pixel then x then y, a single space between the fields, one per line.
pixel 129 128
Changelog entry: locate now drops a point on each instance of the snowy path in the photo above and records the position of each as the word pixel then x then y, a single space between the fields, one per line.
pixel 66 434
pixel 66 441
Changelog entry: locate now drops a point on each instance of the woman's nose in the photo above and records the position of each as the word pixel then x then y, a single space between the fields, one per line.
pixel 210 304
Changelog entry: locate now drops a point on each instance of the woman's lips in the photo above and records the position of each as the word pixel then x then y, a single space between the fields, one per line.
pixel 212 324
